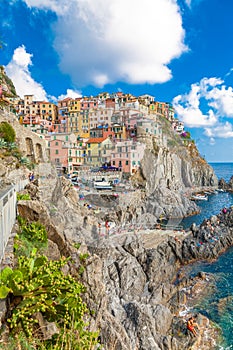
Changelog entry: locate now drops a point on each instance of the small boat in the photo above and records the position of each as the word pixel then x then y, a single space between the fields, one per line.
pixel 199 197
pixel 102 185
pixel 220 190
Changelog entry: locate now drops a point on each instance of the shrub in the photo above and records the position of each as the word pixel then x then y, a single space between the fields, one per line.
pixel 23 196
pixel 40 286
pixel 7 132
pixel 30 235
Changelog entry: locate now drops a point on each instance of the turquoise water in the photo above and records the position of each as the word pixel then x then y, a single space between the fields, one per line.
pixel 218 304
pixel 211 207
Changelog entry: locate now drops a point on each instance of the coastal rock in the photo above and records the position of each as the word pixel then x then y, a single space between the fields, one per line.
pixel 129 278
pixel 167 175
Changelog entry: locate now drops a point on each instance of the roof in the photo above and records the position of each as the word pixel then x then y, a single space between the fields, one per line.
pixel 96 139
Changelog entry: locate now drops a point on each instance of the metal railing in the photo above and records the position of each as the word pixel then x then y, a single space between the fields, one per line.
pixel 8 213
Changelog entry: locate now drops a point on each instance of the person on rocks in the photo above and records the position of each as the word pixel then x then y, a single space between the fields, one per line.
pixel 31 177
pixel 99 228
pixel 224 210
pixel 107 226
pixel 177 239
pixel 192 325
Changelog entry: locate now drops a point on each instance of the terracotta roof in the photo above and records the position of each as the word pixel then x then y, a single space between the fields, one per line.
pixel 96 139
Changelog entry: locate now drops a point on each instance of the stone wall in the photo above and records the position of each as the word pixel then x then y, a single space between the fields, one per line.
pixel 30 144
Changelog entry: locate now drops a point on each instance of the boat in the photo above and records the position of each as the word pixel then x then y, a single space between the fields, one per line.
pixel 102 185
pixel 199 197
pixel 220 190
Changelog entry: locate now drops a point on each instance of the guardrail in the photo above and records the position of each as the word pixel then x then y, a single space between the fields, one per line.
pixel 8 213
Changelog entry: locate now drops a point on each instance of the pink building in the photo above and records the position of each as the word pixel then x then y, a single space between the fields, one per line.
pixel 58 154
pixel 65 153
pixel 127 155
pixel 87 103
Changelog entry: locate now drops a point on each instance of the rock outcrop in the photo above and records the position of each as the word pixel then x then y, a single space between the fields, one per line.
pixel 223 185
pixel 130 278
pixel 167 174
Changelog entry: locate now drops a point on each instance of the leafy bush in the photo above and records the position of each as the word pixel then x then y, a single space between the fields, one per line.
pixel 34 231
pixel 7 132
pixel 40 286
pixel 30 235
pixel 23 196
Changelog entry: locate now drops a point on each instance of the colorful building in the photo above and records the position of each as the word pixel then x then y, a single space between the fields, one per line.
pixel 98 151
pixel 65 152
pixel 127 155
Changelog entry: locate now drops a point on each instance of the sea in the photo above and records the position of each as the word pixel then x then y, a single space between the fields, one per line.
pixel 217 305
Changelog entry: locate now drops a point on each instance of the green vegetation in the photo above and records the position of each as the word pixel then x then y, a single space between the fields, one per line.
pixel 10 148
pixel 23 197
pixel 27 162
pixel 7 132
pixel 38 288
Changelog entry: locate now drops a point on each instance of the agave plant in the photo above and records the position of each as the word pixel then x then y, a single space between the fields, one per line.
pixel 11 145
pixel 25 161
pixel 3 144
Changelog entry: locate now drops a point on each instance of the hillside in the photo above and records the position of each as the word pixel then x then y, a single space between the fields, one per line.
pixel 6 84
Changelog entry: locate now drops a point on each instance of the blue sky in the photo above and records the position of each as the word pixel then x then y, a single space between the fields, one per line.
pixel 180 51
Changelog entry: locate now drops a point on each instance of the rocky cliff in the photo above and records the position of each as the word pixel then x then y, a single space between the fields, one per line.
pixel 130 277
pixel 169 175
pixel 132 282
pixel 6 84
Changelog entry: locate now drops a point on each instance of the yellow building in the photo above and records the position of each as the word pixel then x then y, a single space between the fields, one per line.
pixel 32 109
pixel 162 109
pixel 83 124
pixel 98 151
pixel 74 108
pixel 48 111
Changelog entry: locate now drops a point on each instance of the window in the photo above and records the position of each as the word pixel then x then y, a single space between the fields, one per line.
pixel 56 143
pixel 56 151
pixel 126 162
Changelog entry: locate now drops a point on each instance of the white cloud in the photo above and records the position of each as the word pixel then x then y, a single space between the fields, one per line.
pixel 101 43
pixel 18 71
pixel 222 131
pixel 70 93
pixel 214 97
